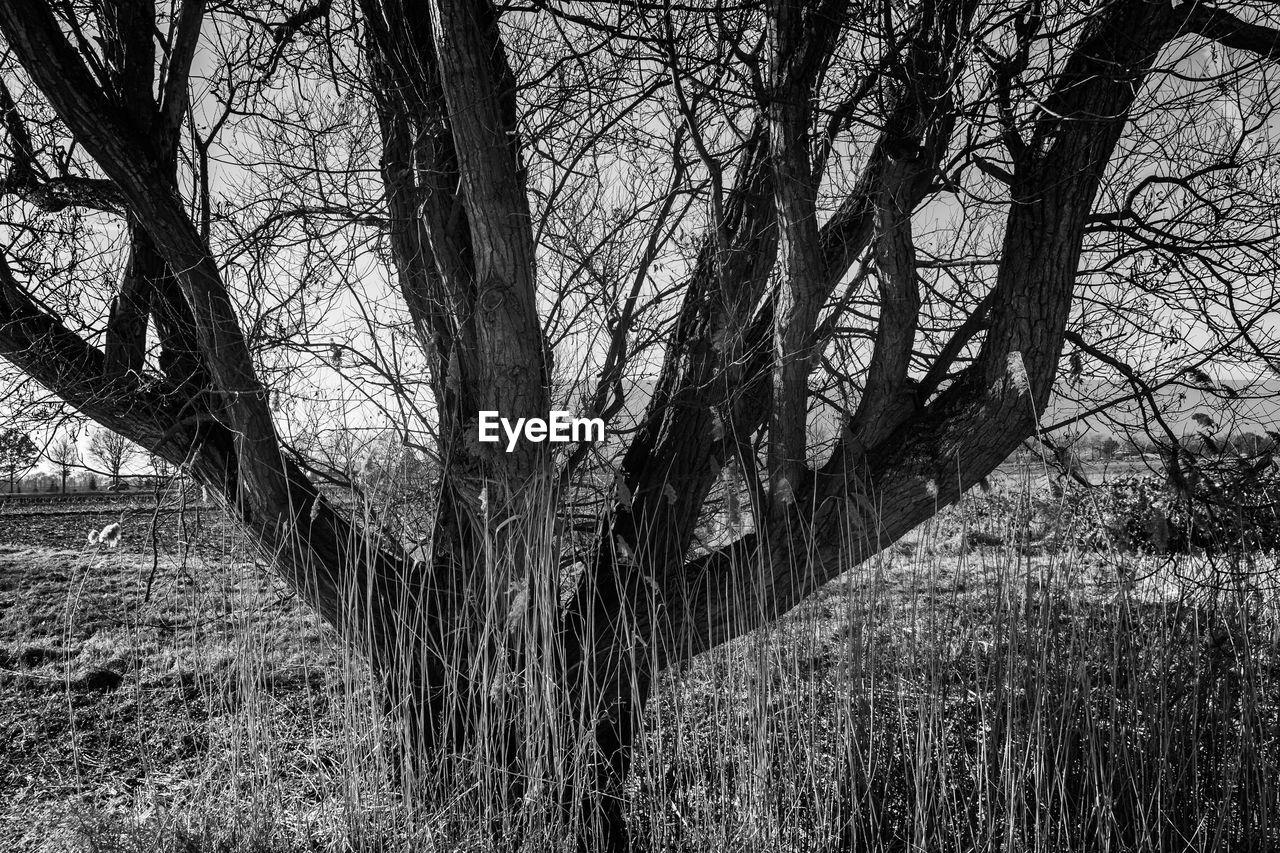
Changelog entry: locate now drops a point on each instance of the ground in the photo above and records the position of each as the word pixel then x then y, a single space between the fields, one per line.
pixel 982 685
pixel 104 691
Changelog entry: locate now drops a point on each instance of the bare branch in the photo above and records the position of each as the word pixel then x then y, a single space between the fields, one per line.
pixel 1228 30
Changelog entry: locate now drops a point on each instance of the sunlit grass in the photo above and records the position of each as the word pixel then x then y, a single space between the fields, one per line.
pixel 943 696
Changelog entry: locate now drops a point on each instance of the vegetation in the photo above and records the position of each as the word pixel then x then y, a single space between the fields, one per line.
pixel 847 251
pixel 64 455
pixel 947 696
pixel 18 455
pixel 1238 514
pixel 114 452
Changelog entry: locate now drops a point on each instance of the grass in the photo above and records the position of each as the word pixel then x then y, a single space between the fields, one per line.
pixel 947 695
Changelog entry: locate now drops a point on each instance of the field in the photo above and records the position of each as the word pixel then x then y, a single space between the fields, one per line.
pixel 984 684
pixel 109 698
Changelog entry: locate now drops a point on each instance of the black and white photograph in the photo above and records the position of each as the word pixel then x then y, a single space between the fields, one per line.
pixel 639 426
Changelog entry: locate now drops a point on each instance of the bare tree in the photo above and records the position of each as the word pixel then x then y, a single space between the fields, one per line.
pixel 18 455
pixel 65 456
pixel 901 218
pixel 114 452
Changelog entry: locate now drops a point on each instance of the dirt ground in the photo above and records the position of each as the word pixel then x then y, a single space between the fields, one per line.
pixel 117 663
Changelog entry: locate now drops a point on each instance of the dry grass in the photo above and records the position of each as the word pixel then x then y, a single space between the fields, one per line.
pixel 941 697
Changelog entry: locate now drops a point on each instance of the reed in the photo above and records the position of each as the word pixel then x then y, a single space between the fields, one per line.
pixel 940 697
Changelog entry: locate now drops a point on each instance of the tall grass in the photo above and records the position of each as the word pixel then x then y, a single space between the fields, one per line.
pixel 938 697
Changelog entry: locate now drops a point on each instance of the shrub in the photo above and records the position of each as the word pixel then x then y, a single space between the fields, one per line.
pixel 1225 508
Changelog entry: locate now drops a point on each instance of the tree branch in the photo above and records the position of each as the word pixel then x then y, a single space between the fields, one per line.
pixel 175 87
pixel 29 183
pixel 863 503
pixel 1228 30
pixel 480 90
pixel 800 42
pixel 131 161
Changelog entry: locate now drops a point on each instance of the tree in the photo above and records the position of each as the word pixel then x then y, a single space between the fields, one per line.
pixel 114 452
pixel 18 455
pixel 65 456
pixel 162 470
pixel 905 218
pixel 1251 443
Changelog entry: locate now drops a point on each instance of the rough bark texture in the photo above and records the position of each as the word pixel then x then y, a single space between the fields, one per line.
pixel 801 40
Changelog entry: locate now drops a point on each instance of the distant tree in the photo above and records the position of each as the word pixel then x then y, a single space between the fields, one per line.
pixel 1140 444
pixel 1108 447
pixel 114 451
pixel 1251 443
pixel 65 456
pixel 162 471
pixel 18 455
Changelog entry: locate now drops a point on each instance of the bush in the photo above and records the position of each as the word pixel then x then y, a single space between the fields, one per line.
pixel 1231 508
